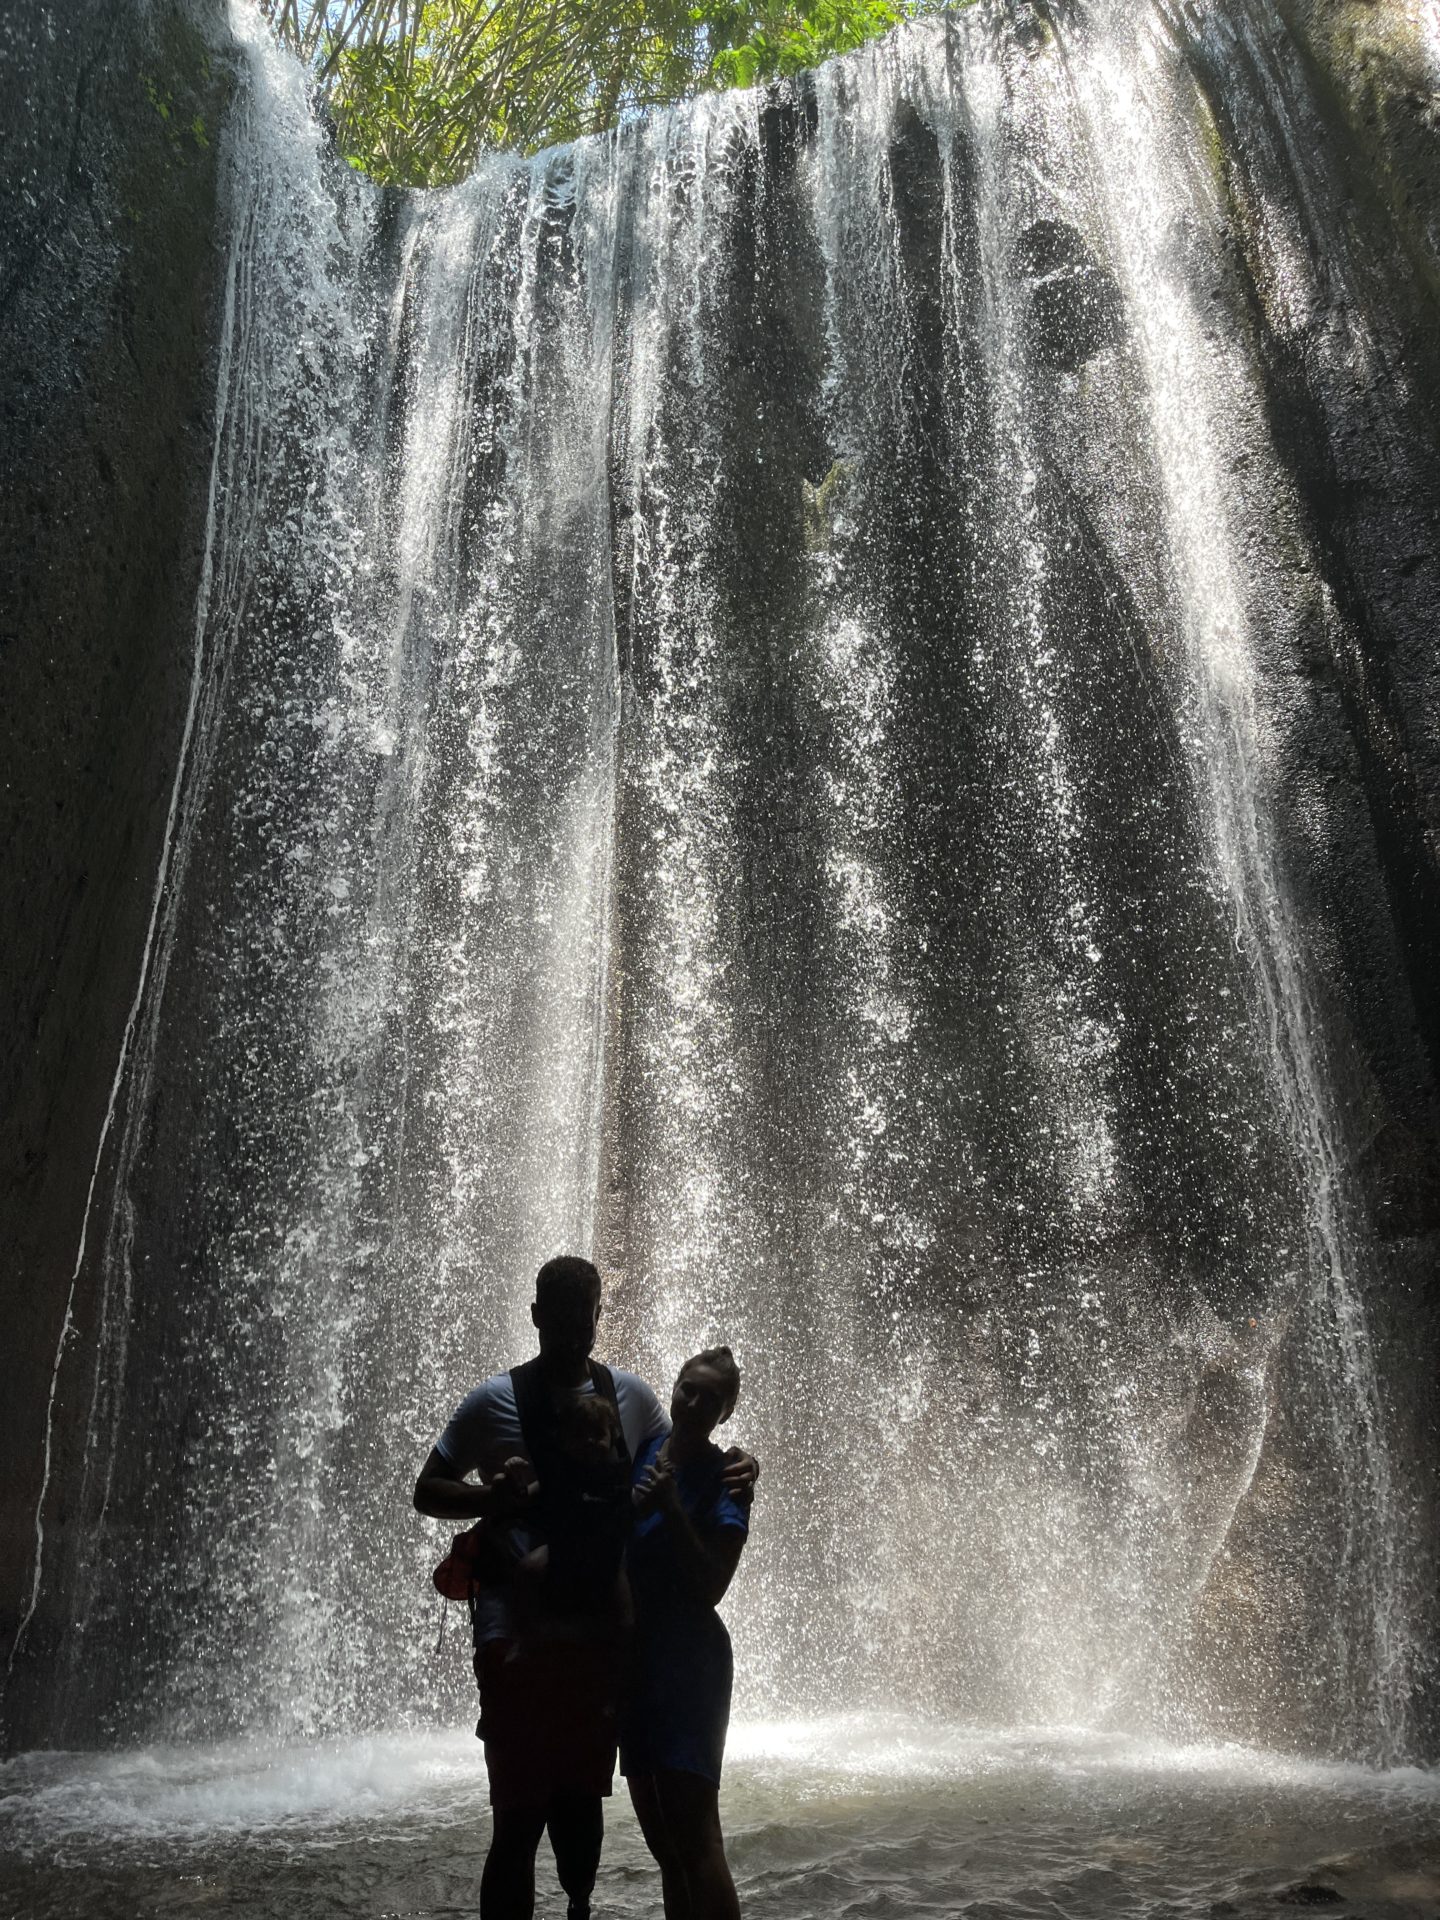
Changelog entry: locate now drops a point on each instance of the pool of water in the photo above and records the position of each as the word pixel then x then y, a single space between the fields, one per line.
pixel 867 1819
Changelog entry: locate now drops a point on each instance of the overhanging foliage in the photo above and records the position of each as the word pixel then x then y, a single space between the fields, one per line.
pixel 418 89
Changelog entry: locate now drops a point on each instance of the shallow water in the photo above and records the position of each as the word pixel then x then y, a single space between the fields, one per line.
pixel 864 1819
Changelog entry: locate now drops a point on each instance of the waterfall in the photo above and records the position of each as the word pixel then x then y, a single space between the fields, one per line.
pixel 742 727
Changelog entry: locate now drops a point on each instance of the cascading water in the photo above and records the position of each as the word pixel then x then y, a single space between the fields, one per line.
pixel 738 727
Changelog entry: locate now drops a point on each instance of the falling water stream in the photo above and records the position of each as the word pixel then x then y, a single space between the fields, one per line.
pixel 738 727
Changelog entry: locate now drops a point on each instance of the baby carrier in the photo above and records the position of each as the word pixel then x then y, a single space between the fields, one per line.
pixel 581 1511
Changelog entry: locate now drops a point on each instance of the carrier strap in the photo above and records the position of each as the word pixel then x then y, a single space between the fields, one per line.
pixel 535 1404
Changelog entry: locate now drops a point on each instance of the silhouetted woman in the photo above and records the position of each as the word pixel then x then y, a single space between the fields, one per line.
pixel 686 1545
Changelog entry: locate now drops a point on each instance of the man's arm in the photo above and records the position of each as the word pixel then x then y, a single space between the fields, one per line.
pixel 740 1473
pixel 443 1493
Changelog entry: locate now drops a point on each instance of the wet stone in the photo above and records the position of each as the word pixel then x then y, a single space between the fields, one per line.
pixel 1075 308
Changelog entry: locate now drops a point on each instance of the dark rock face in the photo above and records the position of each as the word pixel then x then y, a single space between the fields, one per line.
pixel 1362 444
pixel 109 257
pixel 1375 74
pixel 1074 303
pixel 1357 432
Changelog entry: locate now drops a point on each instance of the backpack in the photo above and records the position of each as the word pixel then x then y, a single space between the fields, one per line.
pixel 462 1570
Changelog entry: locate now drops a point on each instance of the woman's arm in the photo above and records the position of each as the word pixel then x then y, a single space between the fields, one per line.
pixel 705 1562
pixel 720 1550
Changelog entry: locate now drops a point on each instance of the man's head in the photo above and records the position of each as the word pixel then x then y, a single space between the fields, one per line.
pixel 566 1309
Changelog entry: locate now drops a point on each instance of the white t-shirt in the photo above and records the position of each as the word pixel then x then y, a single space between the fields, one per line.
pixel 484 1432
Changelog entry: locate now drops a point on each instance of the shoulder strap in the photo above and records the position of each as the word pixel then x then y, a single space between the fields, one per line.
pixel 603 1381
pixel 535 1406
pixel 535 1409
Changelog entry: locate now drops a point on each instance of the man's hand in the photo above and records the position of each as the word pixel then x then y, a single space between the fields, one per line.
pixel 740 1473
pixel 443 1494
pixel 512 1488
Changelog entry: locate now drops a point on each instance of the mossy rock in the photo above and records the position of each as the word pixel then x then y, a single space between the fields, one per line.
pixel 822 504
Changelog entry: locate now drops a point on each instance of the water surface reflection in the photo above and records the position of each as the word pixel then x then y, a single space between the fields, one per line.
pixel 860 1818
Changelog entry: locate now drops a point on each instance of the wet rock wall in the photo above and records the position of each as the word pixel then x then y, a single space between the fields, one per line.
pixel 109 263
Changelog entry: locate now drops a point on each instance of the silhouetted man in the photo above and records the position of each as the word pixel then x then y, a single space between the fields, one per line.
pixel 547 1700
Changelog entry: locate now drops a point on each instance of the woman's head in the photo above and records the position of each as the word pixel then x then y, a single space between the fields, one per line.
pixel 706 1389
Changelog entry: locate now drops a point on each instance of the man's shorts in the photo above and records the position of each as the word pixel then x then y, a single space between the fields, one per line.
pixel 549 1717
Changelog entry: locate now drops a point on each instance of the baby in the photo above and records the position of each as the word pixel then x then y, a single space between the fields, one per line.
pixel 560 1554
pixel 569 1544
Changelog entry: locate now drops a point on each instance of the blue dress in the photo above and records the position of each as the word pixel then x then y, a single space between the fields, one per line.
pixel 677 1707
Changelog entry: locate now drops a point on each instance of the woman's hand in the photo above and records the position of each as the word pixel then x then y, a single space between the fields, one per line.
pixel 655 1490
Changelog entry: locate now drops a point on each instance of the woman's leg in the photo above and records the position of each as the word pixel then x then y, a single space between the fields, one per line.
pixel 690 1810
pixel 673 1887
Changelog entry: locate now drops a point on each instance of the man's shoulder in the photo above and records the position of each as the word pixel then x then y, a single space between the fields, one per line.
pixel 495 1392
pixel 641 1413
pixel 626 1382
pixel 488 1400
pixel 484 1419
